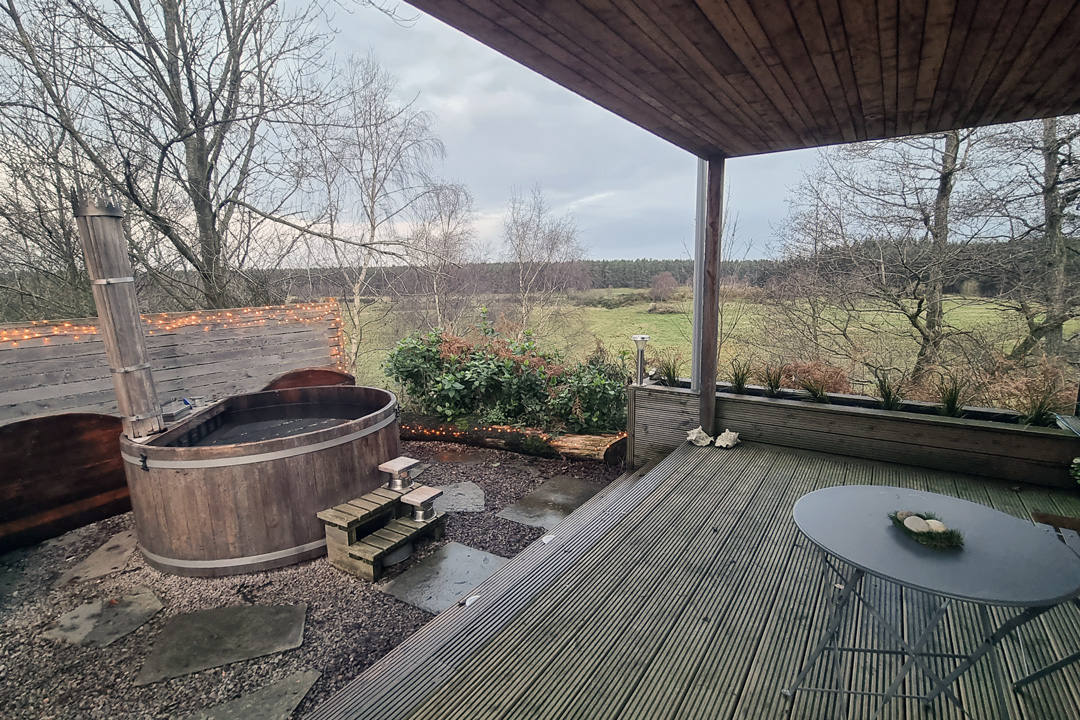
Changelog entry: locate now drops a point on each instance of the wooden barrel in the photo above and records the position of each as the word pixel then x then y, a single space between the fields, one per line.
pixel 236 487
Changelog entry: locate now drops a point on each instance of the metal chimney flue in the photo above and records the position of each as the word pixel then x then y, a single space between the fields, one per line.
pixel 101 230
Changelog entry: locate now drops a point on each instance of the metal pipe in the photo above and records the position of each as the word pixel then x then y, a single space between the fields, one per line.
pixel 699 270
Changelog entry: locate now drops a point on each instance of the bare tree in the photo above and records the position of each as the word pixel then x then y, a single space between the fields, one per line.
pixel 878 227
pixel 442 246
pixel 543 249
pixel 188 110
pixel 41 271
pixel 663 286
pixel 368 174
pixel 1039 189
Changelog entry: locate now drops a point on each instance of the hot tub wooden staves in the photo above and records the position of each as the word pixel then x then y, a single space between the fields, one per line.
pixel 236 487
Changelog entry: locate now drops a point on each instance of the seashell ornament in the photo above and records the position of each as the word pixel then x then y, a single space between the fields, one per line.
pixel 727 439
pixel 914 523
pixel 699 437
pixel 936 526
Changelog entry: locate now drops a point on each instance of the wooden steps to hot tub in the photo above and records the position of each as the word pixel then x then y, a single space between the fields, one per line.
pixel 361 533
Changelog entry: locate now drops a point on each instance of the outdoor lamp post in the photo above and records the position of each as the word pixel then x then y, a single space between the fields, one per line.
pixel 640 341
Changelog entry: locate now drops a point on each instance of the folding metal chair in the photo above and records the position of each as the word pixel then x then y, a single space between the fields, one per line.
pixel 1068 531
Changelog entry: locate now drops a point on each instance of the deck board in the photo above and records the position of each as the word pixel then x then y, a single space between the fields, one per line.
pixel 688 592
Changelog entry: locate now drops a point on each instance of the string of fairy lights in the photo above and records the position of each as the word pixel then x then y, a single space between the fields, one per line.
pixel 450 433
pixel 159 323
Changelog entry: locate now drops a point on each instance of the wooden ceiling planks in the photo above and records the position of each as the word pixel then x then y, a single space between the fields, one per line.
pixel 742 77
pixel 514 38
pixel 1033 85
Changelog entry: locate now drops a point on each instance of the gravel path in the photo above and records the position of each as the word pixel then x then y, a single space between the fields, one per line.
pixel 350 623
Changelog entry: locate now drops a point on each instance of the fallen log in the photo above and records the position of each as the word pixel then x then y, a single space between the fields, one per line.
pixel 609 448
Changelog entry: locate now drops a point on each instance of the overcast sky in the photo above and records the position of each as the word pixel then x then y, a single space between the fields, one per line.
pixel 504 126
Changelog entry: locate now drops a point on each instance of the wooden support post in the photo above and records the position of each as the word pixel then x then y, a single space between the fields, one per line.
pixel 707 307
pixel 101 231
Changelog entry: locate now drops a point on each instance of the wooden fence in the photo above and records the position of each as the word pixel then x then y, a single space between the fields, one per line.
pixel 60 366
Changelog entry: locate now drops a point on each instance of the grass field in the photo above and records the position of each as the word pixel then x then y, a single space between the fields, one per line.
pixel 749 329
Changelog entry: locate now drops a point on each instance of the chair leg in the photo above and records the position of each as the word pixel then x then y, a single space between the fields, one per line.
pixel 1039 674
pixel 1049 669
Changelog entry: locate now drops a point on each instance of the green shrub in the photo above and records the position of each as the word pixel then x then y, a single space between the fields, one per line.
pixel 670 365
pixel 512 382
pixel 889 389
pixel 953 394
pixel 740 375
pixel 1040 407
pixel 591 396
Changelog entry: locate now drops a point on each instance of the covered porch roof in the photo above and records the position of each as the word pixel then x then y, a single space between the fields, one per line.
pixel 742 77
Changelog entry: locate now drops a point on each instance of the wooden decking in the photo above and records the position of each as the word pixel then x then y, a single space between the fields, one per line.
pixel 687 592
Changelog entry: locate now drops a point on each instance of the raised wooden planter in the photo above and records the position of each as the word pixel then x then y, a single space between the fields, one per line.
pixel 660 417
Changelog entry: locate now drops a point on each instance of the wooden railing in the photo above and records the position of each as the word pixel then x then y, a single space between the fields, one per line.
pixel 660 417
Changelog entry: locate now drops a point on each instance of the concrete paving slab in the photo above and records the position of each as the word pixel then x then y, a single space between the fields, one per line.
pixel 201 640
pixel 273 702
pixel 123 615
pixel 549 504
pixel 460 497
pixel 109 558
pixel 442 578
pixel 75 625
pixel 103 622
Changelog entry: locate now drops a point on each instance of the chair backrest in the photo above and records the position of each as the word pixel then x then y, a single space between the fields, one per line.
pixel 1067 528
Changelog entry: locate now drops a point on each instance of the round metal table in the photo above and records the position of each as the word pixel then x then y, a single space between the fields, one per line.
pixel 1005 561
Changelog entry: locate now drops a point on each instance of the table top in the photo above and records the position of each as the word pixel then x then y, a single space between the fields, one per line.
pixel 1005 560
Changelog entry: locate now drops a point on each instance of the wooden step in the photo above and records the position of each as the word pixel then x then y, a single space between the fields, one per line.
pixel 357 518
pixel 366 555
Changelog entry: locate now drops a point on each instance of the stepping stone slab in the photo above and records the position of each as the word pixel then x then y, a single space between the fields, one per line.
pixel 273 702
pixel 109 558
pixel 461 457
pixel 197 641
pixel 102 622
pixel 460 497
pixel 442 578
pixel 547 506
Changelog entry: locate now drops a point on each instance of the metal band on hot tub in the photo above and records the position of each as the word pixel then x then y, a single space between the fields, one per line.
pixel 260 457
pixel 234 562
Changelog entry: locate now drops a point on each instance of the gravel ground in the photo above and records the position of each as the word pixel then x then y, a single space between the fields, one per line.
pixel 350 623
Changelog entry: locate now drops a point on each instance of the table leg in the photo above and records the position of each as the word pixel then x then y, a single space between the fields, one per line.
pixel 838 605
pixel 913 652
pixel 995 664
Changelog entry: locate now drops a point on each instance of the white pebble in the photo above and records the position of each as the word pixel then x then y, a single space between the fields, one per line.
pixel 916 524
pixel 936 526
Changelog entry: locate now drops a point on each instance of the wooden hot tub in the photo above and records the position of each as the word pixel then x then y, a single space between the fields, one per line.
pixel 235 488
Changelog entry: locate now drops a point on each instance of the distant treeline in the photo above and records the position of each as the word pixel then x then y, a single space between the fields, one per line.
pixel 501 277
pixel 986 269
pixel 976 268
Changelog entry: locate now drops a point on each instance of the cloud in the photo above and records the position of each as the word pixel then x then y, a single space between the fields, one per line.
pixel 506 127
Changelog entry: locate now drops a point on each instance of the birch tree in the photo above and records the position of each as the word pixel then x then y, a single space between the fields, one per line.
pixel 543 250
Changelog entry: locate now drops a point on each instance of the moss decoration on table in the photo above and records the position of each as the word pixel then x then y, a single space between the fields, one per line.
pixel 935 534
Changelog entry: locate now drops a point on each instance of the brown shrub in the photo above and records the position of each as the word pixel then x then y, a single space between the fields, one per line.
pixel 831 378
